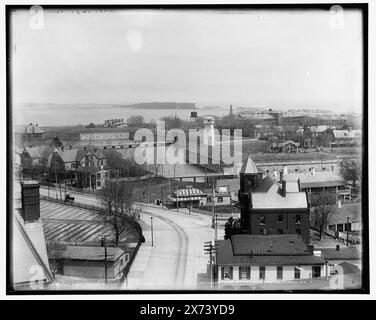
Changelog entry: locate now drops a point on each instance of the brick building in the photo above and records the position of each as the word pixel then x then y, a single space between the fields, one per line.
pixel 272 207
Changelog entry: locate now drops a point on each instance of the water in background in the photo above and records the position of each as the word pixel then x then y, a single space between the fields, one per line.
pixel 58 115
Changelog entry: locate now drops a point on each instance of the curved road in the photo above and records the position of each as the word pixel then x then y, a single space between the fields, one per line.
pixel 177 255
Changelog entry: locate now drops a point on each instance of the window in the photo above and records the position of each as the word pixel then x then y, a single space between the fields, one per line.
pixel 264 232
pixel 347 226
pixel 106 174
pixel 298 231
pixel 280 231
pixel 73 166
pixel 262 219
pixel 220 199
pixel 99 184
pixel 332 227
pixel 316 271
pixel 279 273
pixel 280 218
pixel 98 176
pixel 297 273
pixel 262 273
pixel 340 227
pixel 226 273
pixel 244 273
pixel 298 219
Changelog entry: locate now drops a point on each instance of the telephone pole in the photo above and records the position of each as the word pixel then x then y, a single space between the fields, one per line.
pixel 348 229
pixel 213 212
pixel 103 244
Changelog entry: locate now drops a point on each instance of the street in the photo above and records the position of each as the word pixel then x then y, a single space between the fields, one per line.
pixel 177 254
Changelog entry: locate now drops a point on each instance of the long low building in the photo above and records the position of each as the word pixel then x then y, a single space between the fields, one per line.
pixel 256 259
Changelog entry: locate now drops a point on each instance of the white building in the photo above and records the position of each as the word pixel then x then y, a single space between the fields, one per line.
pixel 254 259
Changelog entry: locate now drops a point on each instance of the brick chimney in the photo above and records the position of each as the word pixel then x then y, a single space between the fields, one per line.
pixel 283 188
pixel 30 201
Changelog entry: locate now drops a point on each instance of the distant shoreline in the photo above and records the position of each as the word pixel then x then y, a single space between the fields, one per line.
pixel 143 106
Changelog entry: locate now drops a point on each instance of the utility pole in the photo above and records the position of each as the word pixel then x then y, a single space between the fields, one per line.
pixel 103 244
pixel 348 227
pixel 213 212
pixel 209 248
pixel 177 199
pixel 55 179
pixel 151 230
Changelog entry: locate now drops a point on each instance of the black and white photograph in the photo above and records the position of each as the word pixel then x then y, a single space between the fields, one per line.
pixel 187 149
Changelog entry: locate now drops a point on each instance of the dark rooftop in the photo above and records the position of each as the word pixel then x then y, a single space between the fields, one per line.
pixel 349 253
pixel 226 256
pixel 264 185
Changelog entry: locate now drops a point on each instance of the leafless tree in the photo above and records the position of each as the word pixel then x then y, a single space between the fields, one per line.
pixel 55 252
pixel 322 206
pixel 351 170
pixel 118 202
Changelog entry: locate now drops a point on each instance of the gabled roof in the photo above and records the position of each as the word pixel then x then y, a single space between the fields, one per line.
pixel 248 166
pixel 38 152
pixel 264 185
pixel 347 253
pixel 70 155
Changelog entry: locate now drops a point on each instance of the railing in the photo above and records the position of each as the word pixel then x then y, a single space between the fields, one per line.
pixel 133 256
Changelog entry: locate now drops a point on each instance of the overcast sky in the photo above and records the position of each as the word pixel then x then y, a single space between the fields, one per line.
pixel 255 59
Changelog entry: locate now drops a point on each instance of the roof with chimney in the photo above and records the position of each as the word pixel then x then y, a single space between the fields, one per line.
pixel 268 194
pixel 75 155
pixel 249 166
pixel 271 250
pixel 342 253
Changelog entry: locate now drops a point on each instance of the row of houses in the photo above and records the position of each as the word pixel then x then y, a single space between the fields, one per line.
pixel 86 166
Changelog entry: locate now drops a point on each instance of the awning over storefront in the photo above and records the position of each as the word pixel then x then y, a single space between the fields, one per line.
pixel 182 195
